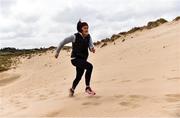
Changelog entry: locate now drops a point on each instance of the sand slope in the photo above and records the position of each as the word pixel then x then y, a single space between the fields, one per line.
pixel 138 77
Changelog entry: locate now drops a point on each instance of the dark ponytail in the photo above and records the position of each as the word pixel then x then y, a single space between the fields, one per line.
pixel 80 25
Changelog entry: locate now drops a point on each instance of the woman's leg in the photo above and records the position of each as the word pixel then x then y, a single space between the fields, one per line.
pixel 88 73
pixel 79 73
pixel 84 64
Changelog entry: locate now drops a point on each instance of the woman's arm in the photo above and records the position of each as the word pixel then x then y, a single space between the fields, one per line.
pixel 91 45
pixel 64 42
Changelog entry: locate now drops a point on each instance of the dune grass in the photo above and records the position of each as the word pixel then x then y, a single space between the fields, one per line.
pixel 10 57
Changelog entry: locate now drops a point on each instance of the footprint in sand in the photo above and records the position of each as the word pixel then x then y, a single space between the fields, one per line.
pixel 90 97
pixel 17 103
pixel 98 81
pixel 94 101
pixel 91 103
pixel 173 70
pixel 119 96
pixel 174 78
pixel 6 78
pixel 132 101
pixel 113 79
pixel 94 97
pixel 124 81
pixel 173 97
pixel 129 104
pixel 52 93
pixel 42 97
pixel 24 107
pixel 15 99
pixel 53 114
pixel 146 80
pixel 137 97
pixel 177 114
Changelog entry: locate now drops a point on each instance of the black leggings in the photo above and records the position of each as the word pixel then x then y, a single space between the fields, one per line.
pixel 81 65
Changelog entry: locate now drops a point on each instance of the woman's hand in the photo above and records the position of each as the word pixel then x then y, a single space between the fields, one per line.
pixel 56 55
pixel 93 50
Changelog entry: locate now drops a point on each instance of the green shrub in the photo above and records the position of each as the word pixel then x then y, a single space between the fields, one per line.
pixel 177 18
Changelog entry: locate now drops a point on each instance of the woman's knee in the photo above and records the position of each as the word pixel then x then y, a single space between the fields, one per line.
pixel 90 66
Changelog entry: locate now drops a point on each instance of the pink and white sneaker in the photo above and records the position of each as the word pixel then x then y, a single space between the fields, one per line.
pixel 89 91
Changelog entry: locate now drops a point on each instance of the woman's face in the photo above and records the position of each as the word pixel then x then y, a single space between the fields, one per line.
pixel 85 30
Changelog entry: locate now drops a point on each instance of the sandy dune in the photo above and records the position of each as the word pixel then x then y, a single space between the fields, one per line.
pixel 138 77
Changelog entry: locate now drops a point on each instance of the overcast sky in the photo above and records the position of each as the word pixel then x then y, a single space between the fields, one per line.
pixel 44 23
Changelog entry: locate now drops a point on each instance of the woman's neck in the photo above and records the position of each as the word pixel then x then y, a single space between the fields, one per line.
pixel 82 35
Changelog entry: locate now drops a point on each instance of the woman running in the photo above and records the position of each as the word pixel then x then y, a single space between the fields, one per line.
pixel 81 42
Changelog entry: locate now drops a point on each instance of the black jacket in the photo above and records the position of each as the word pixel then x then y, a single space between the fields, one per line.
pixel 80 46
